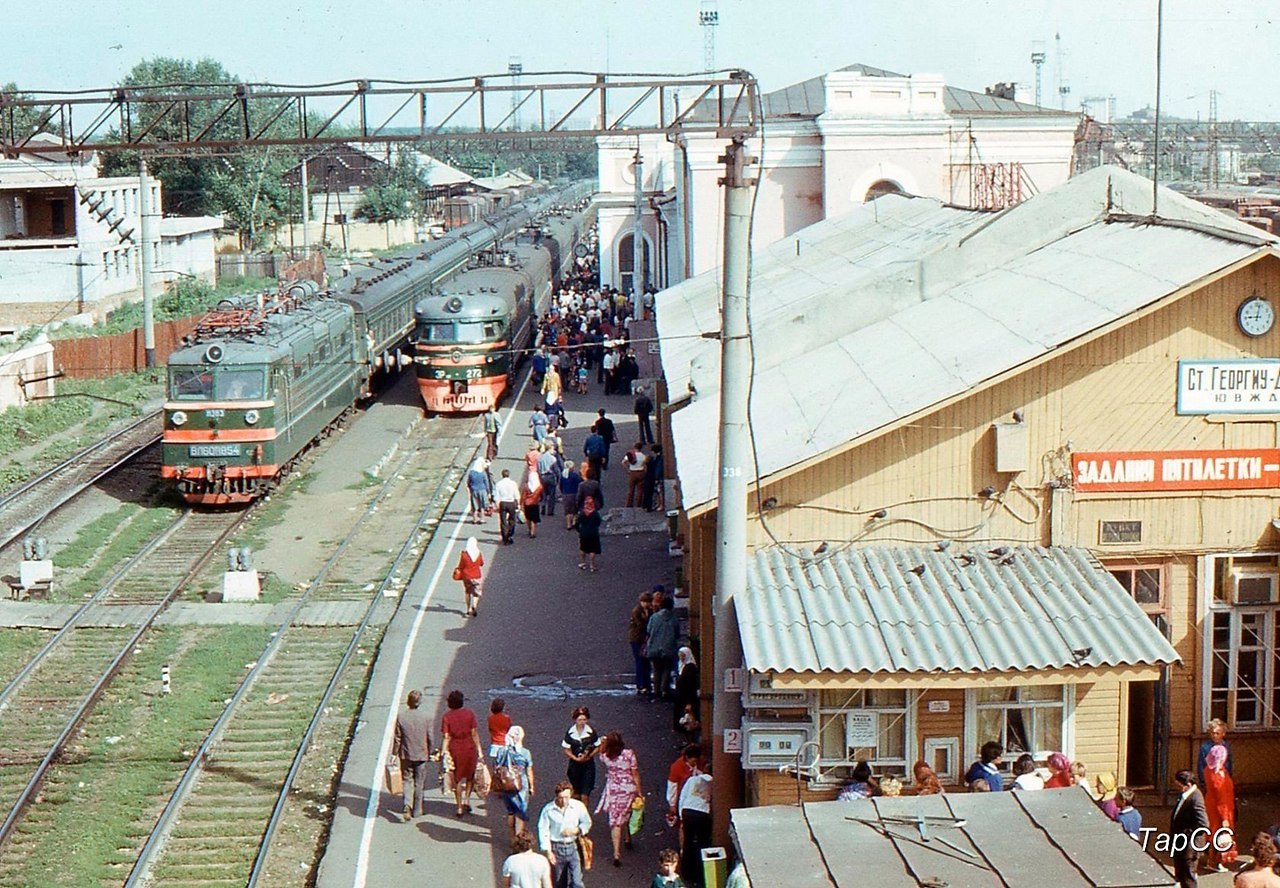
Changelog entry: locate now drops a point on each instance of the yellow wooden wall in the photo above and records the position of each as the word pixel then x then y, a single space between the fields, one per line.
pixel 1115 392
pixel 1097 740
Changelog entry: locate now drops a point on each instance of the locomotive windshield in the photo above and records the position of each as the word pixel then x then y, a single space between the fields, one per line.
pixel 438 332
pixel 223 384
pixel 478 331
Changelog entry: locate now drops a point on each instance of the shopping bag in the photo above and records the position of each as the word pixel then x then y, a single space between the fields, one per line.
pixel 587 851
pixel 483 780
pixel 636 822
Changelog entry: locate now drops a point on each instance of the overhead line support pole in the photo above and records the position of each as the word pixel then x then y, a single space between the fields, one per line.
pixel 146 219
pixel 735 463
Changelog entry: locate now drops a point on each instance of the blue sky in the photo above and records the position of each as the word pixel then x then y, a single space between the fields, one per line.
pixel 1109 46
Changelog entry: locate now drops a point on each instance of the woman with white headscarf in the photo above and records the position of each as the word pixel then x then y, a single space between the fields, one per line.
pixel 469 572
pixel 519 761
pixel 688 685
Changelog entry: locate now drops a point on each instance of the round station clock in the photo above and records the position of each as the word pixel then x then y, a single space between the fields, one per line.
pixel 1255 316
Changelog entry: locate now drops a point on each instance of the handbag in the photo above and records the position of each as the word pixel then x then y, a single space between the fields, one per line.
pixel 457 573
pixel 506 777
pixel 483 780
pixel 587 851
pixel 395 780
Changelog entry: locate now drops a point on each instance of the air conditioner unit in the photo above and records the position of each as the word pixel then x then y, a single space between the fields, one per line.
pixel 1254 584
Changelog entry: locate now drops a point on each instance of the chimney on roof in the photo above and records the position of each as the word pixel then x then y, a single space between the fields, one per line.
pixel 1003 90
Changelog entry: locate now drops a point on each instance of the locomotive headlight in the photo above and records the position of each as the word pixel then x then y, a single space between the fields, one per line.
pixel 178 417
pixel 250 417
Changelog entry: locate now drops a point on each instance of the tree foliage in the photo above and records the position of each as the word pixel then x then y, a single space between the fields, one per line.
pixel 19 123
pixel 242 185
pixel 396 192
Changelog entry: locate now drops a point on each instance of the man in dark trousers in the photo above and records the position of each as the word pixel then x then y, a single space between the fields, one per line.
pixel 413 747
pixel 1188 829
pixel 603 427
pixel 644 407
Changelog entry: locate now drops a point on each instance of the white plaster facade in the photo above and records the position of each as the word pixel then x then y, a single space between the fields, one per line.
pixel 828 144
pixel 69 239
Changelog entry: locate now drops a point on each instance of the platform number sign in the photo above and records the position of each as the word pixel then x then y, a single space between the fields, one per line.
pixel 733 740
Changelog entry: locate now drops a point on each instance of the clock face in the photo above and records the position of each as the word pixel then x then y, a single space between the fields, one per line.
pixel 1256 316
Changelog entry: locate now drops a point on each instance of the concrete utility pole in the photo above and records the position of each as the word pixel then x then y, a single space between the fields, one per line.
pixel 306 209
pixel 148 263
pixel 637 231
pixel 735 463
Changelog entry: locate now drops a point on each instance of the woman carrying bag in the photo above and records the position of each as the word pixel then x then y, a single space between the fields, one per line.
pixel 513 777
pixel 469 572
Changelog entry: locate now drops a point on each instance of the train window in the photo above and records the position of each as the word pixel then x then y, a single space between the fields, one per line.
pixel 474 331
pixel 190 385
pixel 240 385
pixel 435 332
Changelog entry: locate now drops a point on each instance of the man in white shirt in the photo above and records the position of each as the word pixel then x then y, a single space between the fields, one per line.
pixel 562 820
pixel 506 493
pixel 525 868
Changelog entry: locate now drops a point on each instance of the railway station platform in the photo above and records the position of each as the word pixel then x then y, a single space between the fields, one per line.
pixel 548 637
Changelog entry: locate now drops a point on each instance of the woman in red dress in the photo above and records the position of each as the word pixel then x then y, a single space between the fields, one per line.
pixel 461 740
pixel 470 573
pixel 1220 805
pixel 621 788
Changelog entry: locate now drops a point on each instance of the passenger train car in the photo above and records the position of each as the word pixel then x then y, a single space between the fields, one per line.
pixel 472 334
pixel 260 379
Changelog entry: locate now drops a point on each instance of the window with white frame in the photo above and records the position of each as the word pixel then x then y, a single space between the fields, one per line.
pixel 1025 718
pixel 1242 675
pixel 877 726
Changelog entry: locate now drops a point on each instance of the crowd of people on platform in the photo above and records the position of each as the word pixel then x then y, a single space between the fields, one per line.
pixel 1206 802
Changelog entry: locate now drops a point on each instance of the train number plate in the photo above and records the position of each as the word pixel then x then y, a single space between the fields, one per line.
pixel 215 449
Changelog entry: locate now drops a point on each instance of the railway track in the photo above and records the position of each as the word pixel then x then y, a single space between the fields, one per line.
pixel 24 508
pixel 218 825
pixel 42 708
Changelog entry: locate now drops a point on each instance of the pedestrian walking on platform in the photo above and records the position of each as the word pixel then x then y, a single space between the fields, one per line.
pixel 637 625
pixel 664 631
pixel 604 427
pixel 588 523
pixel 695 815
pixel 570 481
pixel 595 449
pixel 460 737
pixel 413 747
pixel 621 789
pixel 506 493
pixel 643 409
pixel 492 428
pixel 549 465
pixel 531 499
pixel 525 868
pixel 580 746
pixel 499 724
pixel 517 763
pixel 636 460
pixel 563 820
pixel 470 572
pixel 539 423
pixel 590 487
pixel 479 488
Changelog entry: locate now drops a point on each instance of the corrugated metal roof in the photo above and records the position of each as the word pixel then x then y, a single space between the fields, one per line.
pixel 1054 837
pixel 862 311
pixel 915 609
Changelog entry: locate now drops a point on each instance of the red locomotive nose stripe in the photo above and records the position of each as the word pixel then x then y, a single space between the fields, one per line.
pixel 196 473
pixel 204 436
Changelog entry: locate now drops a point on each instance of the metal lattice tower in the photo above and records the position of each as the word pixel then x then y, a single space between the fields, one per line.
pixel 1037 59
pixel 1214 172
pixel 1064 88
pixel 709 19
pixel 515 67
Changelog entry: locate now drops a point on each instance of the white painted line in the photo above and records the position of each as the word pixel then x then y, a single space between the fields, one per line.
pixel 388 730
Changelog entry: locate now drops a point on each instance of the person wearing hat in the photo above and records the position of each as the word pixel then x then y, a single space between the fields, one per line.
pixel 1105 784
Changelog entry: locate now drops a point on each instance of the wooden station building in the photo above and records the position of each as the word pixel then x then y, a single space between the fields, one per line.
pixel 1019 479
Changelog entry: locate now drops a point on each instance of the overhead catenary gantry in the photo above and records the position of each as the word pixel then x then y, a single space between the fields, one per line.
pixel 555 105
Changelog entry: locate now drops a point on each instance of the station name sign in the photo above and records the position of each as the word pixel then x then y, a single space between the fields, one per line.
pixel 1148 470
pixel 1251 385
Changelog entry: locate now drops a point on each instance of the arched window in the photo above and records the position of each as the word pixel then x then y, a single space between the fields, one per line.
pixel 626 261
pixel 881 188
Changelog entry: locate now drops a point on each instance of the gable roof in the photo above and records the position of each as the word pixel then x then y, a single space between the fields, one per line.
pixel 862 311
pixel 914 609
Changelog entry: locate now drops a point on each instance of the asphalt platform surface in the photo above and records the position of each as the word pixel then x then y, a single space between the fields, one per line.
pixel 548 637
